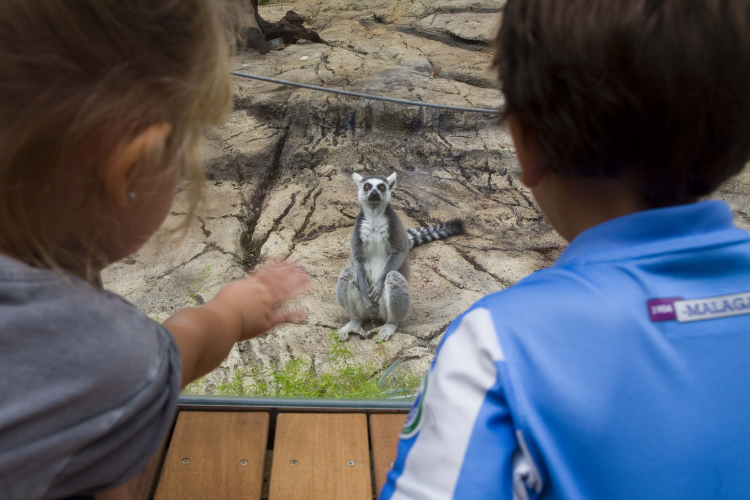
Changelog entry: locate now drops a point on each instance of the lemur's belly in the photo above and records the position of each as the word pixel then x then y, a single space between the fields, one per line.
pixel 378 251
pixel 376 247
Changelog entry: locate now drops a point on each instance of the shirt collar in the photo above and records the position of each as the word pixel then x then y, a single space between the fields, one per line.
pixel 711 220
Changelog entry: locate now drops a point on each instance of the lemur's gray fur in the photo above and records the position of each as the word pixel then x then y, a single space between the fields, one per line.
pixel 376 284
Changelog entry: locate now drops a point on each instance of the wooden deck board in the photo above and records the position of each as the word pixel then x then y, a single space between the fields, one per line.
pixel 320 457
pixel 215 444
pixel 141 487
pixel 385 429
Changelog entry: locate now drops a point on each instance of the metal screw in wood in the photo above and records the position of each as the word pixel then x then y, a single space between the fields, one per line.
pixel 350 463
pixel 243 462
pixel 185 460
pixel 293 462
pixel 393 464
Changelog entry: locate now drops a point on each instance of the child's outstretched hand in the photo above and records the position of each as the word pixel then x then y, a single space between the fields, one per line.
pixel 258 300
pixel 240 311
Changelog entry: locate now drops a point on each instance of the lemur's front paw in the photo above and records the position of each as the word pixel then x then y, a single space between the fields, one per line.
pixel 370 305
pixel 373 309
pixel 376 290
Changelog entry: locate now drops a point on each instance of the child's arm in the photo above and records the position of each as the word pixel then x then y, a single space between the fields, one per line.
pixel 240 311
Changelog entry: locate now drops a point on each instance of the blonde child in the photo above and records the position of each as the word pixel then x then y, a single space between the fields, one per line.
pixel 102 105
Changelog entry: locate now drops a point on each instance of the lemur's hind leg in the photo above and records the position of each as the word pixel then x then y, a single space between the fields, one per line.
pixel 394 305
pixel 350 299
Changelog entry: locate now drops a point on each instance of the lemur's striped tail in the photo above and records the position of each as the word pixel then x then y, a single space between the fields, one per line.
pixel 421 235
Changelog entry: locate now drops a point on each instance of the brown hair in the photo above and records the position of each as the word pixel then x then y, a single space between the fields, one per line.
pixel 660 86
pixel 78 77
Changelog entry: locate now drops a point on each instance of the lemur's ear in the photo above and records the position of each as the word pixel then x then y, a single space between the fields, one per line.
pixel 391 180
pixel 357 178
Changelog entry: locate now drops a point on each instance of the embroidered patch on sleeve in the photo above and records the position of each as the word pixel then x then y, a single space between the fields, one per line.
pixel 415 417
pixel 684 311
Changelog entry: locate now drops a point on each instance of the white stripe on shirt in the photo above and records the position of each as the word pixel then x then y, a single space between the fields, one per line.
pixel 460 377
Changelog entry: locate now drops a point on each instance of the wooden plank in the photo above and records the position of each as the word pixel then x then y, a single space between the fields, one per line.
pixel 385 429
pixel 142 486
pixel 321 456
pixel 215 455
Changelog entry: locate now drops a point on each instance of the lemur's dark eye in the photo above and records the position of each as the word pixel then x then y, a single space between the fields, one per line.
pixel 382 187
pixel 367 187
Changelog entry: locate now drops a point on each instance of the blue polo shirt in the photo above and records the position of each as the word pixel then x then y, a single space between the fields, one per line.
pixel 622 372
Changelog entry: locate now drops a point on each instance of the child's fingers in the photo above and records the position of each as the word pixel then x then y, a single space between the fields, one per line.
pixel 284 279
pixel 276 268
pixel 297 315
pixel 288 284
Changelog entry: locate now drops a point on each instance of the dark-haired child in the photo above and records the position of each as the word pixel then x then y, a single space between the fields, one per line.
pixel 102 103
pixel 622 371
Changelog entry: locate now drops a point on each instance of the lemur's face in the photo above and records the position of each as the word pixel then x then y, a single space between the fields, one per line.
pixel 374 191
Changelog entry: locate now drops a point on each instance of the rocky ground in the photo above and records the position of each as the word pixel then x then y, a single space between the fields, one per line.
pixel 279 178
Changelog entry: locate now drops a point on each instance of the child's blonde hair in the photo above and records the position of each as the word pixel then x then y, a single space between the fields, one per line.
pixel 78 77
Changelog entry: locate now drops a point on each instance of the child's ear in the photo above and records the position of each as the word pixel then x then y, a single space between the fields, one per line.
pixel 391 180
pixel 534 162
pixel 120 167
pixel 357 178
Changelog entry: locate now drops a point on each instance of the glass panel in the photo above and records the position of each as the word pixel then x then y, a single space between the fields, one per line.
pixel 279 183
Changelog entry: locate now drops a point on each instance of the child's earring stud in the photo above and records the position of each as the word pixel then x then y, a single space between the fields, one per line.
pixel 131 196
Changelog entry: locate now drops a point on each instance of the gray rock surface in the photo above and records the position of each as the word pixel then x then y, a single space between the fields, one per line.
pixel 279 178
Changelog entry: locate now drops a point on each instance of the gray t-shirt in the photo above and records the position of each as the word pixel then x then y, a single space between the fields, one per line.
pixel 88 385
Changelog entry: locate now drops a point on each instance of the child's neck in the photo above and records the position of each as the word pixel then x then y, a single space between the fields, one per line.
pixel 573 205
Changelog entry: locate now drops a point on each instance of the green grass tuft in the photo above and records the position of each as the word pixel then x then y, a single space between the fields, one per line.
pixel 347 378
pixel 196 286
pixel 193 388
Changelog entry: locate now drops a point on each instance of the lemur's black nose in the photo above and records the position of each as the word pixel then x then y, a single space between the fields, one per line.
pixel 373 196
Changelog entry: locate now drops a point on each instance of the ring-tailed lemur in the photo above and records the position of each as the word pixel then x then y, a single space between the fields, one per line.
pixel 376 284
